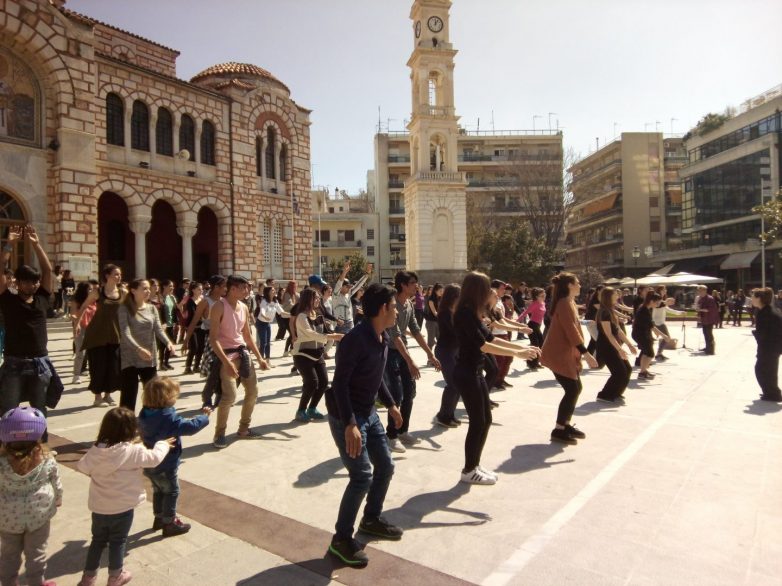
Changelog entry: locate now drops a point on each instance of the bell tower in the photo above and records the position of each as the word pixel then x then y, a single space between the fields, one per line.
pixel 435 194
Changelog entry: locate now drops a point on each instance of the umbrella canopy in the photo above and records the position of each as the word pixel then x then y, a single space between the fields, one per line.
pixel 681 279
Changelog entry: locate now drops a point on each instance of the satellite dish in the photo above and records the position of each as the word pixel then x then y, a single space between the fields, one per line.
pixel 184 154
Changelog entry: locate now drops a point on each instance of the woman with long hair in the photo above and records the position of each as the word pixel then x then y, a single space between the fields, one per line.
pixel 167 311
pixel 139 326
pixel 537 313
pixel 445 351
pixel 475 339
pixel 189 304
pixel 199 325
pixel 268 309
pixel 308 351
pixel 101 340
pixel 768 333
pixel 81 316
pixel 563 351
pixel 610 338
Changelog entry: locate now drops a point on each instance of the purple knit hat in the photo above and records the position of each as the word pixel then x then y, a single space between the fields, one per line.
pixel 22 424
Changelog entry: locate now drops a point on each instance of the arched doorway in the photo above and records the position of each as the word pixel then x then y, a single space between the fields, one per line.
pixel 11 214
pixel 205 245
pixel 164 245
pixel 115 240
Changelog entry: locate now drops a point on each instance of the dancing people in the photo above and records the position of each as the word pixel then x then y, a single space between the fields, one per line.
pixel 446 350
pixel 610 338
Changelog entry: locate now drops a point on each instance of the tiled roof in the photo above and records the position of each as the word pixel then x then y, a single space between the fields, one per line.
pixel 92 22
pixel 240 69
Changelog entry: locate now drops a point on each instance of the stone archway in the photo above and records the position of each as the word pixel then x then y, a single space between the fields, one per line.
pixel 116 243
pixel 205 245
pixel 164 244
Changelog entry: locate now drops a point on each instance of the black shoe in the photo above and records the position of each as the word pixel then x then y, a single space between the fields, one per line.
pixel 176 527
pixel 188 371
pixel 445 423
pixel 603 399
pixel 573 432
pixel 379 527
pixel 771 398
pixel 505 385
pixel 157 524
pixel 455 423
pixel 662 358
pixel 562 435
pixel 349 551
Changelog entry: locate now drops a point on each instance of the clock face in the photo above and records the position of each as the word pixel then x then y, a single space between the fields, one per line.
pixel 417 28
pixel 435 24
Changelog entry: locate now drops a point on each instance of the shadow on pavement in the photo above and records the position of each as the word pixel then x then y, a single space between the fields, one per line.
pixel 532 457
pixel 546 384
pixel 595 407
pixel 761 407
pixel 69 560
pixel 136 540
pixel 410 515
pixel 320 474
pixel 320 568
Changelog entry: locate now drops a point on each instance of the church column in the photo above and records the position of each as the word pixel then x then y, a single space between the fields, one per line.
pixel 187 231
pixel 197 145
pixel 177 120
pixel 277 149
pixel 152 139
pixel 140 225
pixel 126 124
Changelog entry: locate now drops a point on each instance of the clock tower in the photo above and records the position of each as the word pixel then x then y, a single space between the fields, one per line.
pixel 435 194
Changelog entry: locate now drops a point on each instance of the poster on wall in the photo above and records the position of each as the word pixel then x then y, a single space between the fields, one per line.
pixel 80 267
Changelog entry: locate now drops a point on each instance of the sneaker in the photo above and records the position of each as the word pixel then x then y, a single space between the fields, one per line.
pixel 247 434
pixel 313 413
pixel 98 402
pixel 219 442
pixel 157 524
pixel 349 551
pixel 76 380
pixel 396 446
pixel 478 476
pixel 88 580
pixel 408 439
pixel 445 423
pixel 662 358
pixel 108 400
pixel 119 579
pixel 604 400
pixel 176 527
pixel 488 473
pixel 505 384
pixel 573 432
pixel 561 435
pixel 301 415
pixel 646 375
pixel 455 422
pixel 286 354
pixel 379 527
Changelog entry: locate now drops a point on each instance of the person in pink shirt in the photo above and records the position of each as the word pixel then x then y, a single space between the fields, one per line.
pixel 536 312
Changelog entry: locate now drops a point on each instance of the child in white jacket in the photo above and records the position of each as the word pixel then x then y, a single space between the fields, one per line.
pixel 114 465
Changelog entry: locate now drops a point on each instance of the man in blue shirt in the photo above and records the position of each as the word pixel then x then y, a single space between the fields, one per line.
pixel 356 427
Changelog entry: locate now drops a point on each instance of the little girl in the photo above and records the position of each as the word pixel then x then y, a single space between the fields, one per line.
pixel 114 466
pixel 31 492
pixel 159 420
pixel 537 313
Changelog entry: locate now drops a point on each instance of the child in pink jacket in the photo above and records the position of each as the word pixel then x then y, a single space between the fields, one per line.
pixel 114 466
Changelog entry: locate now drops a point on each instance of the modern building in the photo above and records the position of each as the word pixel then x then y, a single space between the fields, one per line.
pixel 115 159
pixel 432 180
pixel 626 196
pixel 342 225
pixel 730 169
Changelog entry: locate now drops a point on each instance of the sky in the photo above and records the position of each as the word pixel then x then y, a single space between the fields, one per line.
pixel 593 68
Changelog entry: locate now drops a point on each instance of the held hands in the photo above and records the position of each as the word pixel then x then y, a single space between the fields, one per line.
pixel 172 350
pixel 525 329
pixel 206 411
pixel 171 441
pixel 590 360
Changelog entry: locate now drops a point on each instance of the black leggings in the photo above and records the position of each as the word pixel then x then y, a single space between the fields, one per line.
pixel 195 349
pixel 475 396
pixel 282 327
pixel 567 405
pixel 536 339
pixel 316 379
pixel 130 378
pixel 620 374
pixel 162 351
pixel 492 370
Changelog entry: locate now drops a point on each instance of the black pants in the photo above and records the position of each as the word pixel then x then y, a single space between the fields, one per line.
pixel 447 358
pixel 195 349
pixel 401 385
pixel 536 339
pixel 567 405
pixel 620 374
pixel 104 369
pixel 282 327
pixel 315 378
pixel 767 371
pixel 475 396
pixel 491 369
pixel 708 336
pixel 129 389
pixel 163 354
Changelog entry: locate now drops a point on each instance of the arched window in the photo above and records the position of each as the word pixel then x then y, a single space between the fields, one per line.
pixel 283 162
pixel 115 120
pixel 258 154
pixel 164 133
pixel 207 143
pixel 432 89
pixel 20 101
pixel 270 144
pixel 139 126
pixel 187 135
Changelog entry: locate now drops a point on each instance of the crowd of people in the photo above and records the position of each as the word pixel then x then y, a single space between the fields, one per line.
pixel 125 334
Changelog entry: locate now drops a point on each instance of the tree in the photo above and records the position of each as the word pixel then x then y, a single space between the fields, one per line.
pixel 358 268
pixel 772 216
pixel 590 278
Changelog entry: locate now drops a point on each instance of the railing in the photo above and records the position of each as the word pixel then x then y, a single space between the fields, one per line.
pixel 436 111
pixel 337 243
pixel 396 184
pixel 540 132
pixel 511 207
pixel 401 237
pixel 398 158
pixel 398 262
pixel 596 216
pixel 586 175
pixel 493 183
pixel 457 176
pixel 396 209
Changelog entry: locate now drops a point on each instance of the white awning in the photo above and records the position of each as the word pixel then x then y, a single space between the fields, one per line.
pixel 665 270
pixel 739 260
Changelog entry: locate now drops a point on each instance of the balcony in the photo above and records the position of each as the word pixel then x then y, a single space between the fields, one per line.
pixel 398 236
pixel 589 174
pixel 511 208
pixel 397 262
pixel 483 158
pixel 396 184
pixel 396 209
pixel 511 182
pixel 437 111
pixel 398 158
pixel 337 243
pixel 441 176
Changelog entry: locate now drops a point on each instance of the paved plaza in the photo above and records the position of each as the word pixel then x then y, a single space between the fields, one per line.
pixel 680 486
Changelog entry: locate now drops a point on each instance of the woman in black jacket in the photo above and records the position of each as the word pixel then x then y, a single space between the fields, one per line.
pixel 768 333
pixel 643 326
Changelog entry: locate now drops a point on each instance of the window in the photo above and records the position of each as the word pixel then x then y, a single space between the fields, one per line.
pixel 20 101
pixel 654 202
pixel 115 120
pixel 370 251
pixel 187 135
pixel 266 242
pixel 258 155
pixel 139 126
pixel 283 162
pixel 277 245
pixel 164 133
pixel 325 235
pixel 370 234
pixel 346 235
pixel 270 143
pixel 207 143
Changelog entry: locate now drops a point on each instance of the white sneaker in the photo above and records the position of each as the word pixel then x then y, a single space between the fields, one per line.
pixel 489 473
pixel 408 439
pixel 76 380
pixel 478 476
pixel 107 400
pixel 98 402
pixel 396 446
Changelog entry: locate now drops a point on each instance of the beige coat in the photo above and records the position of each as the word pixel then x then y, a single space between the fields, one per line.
pixel 560 350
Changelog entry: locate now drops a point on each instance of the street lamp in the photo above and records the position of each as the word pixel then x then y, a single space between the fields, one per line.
pixel 636 256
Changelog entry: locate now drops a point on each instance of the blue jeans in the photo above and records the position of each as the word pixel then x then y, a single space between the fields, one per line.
pixel 20 381
pixel 263 334
pixel 364 481
pixel 401 384
pixel 111 530
pixel 165 493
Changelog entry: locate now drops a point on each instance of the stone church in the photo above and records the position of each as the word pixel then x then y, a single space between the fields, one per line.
pixel 113 158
